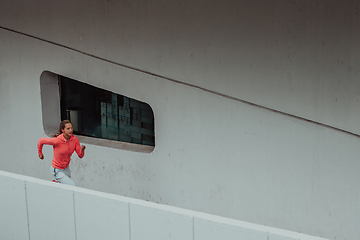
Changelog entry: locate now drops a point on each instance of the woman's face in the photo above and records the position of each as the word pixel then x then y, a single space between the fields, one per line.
pixel 68 130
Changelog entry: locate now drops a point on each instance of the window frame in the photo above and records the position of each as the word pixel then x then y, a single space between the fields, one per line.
pixel 51 115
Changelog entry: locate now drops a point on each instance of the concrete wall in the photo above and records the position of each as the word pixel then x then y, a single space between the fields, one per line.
pixel 215 74
pixel 36 209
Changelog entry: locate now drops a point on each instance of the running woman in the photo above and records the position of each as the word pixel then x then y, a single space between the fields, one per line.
pixel 64 144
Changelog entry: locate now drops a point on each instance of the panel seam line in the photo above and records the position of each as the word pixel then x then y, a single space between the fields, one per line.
pixel 27 210
pixel 184 83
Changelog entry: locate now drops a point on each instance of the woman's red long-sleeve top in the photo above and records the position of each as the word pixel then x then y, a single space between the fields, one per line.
pixel 63 149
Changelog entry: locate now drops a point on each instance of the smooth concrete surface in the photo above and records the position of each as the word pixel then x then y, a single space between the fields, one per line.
pixel 212 154
pixel 106 216
pixel 160 224
pixel 201 66
pixel 208 230
pixel 298 57
pixel 51 213
pixel 57 211
pixel 13 208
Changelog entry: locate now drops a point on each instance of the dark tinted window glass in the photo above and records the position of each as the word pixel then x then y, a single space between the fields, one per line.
pixel 95 112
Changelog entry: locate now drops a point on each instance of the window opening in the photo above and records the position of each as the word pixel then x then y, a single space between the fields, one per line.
pixel 99 113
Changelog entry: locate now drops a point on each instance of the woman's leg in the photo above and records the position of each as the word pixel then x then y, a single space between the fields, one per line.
pixel 62 176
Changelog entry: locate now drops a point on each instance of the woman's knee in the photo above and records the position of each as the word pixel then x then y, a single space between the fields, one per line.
pixel 65 179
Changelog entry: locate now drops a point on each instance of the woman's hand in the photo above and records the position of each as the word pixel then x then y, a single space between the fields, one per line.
pixel 41 156
pixel 82 147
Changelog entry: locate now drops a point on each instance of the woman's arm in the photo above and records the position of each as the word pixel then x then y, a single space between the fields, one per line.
pixel 41 142
pixel 80 150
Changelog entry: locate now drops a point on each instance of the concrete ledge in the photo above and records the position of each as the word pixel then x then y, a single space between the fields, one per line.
pixel 99 217
pixel 36 209
pixel 155 223
pixel 50 209
pixel 206 229
pixel 13 209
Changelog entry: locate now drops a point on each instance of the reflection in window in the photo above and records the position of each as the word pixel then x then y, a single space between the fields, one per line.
pixel 98 113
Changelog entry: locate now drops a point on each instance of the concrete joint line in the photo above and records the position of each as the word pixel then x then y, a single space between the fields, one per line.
pixel 183 83
pixel 27 210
